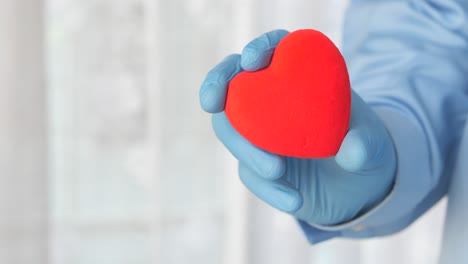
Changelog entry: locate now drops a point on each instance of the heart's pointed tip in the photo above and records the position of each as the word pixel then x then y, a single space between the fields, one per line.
pixel 313 155
pixel 322 152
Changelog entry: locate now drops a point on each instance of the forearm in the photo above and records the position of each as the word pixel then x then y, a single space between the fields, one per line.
pixel 408 61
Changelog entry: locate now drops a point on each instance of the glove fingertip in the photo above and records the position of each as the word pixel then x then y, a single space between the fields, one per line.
pixel 275 169
pixel 296 202
pixel 210 99
pixel 279 194
pixel 353 152
pixel 257 54
pixel 250 59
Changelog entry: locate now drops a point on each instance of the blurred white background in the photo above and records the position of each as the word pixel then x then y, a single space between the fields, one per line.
pixel 106 156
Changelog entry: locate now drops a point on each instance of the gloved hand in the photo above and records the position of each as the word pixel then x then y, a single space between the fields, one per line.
pixel 318 191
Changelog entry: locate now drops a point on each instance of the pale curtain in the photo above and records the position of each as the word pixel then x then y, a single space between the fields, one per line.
pixel 111 159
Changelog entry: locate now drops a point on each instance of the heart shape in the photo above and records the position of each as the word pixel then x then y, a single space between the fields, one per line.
pixel 299 105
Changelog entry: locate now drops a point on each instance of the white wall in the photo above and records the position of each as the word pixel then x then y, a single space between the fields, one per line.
pixel 23 134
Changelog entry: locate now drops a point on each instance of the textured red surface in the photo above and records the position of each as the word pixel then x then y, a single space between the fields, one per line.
pixel 300 105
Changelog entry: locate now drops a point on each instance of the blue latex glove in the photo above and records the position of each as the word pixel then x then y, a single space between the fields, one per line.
pixel 318 191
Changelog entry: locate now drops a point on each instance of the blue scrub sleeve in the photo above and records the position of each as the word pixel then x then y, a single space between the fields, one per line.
pixel 409 61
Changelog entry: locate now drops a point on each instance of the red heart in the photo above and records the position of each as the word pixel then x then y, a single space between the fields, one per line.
pixel 300 104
